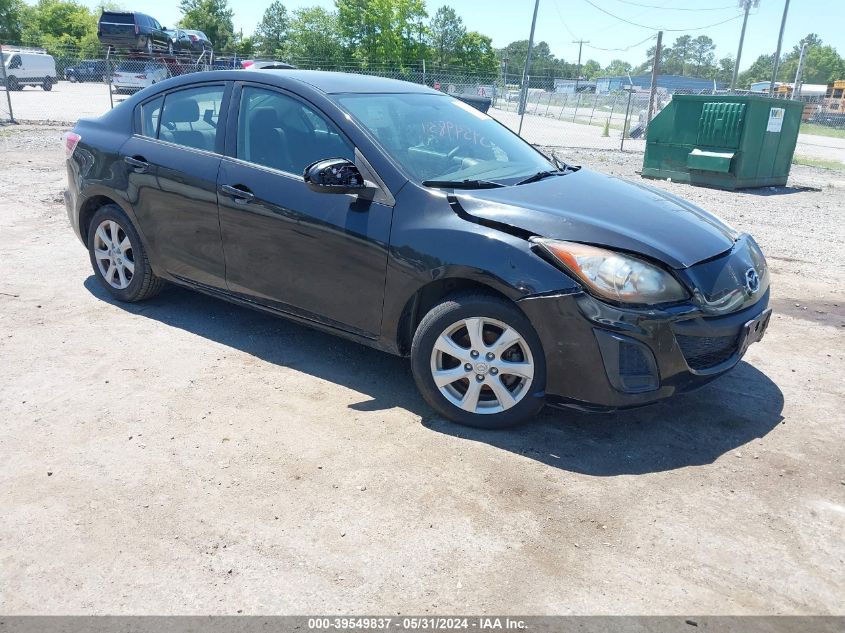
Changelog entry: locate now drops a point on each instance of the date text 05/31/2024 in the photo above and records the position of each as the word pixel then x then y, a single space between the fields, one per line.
pixel 428 623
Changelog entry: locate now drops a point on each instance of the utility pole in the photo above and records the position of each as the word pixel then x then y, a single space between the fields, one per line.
pixel 655 68
pixel 796 87
pixel 523 95
pixel 578 72
pixel 777 53
pixel 746 4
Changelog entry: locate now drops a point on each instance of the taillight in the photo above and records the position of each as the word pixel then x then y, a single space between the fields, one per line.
pixel 137 30
pixel 71 140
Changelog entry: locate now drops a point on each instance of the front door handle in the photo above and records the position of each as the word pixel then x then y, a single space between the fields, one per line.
pixel 240 194
pixel 139 165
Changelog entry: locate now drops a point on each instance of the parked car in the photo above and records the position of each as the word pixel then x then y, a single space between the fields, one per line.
pixel 265 64
pixel 402 218
pixel 87 70
pixel 199 41
pixel 133 30
pixel 180 41
pixel 133 75
pixel 29 68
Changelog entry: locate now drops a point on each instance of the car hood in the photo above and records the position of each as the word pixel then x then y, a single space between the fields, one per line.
pixel 585 206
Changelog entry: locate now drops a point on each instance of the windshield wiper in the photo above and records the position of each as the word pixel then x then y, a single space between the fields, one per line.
pixel 540 175
pixel 462 184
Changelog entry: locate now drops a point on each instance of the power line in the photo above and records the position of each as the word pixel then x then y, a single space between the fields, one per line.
pixel 627 48
pixel 655 6
pixel 644 26
pixel 565 25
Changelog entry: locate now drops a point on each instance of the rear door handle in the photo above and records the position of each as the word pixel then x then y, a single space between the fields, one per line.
pixel 139 165
pixel 241 196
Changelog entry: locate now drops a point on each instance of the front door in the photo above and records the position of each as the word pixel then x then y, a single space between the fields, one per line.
pixel 320 256
pixel 172 163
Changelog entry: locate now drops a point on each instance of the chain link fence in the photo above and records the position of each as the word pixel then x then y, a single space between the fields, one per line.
pixel 87 86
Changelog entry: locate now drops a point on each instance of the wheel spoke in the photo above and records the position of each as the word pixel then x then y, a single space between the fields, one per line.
pixel 506 340
pixel 502 394
pixel 129 265
pixel 475 329
pixel 110 273
pixel 113 231
pixel 99 254
pixel 523 370
pixel 101 233
pixel 125 245
pixel 121 274
pixel 448 346
pixel 443 377
pixel 470 399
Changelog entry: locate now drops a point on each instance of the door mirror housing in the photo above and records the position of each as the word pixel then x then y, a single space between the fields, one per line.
pixel 335 175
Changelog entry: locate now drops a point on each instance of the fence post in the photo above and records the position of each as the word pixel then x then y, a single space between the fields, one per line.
pixel 577 103
pixel 563 106
pixel 6 86
pixel 549 104
pixel 613 105
pixel 108 77
pixel 595 102
pixel 625 124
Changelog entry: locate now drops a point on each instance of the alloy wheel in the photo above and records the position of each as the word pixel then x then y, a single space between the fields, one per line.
pixel 114 254
pixel 482 365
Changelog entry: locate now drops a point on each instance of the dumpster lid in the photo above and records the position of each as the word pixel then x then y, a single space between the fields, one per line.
pixel 707 160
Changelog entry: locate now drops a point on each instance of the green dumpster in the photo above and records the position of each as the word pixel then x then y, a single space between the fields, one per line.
pixel 724 141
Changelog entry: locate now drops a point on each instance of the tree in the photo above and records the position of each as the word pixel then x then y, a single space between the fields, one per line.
pixel 11 20
pixel 474 52
pixel 383 31
pixel 271 32
pixel 446 31
pixel 702 55
pixel 822 63
pixel 617 67
pixel 724 70
pixel 314 38
pixel 760 70
pixel 591 69
pixel 212 17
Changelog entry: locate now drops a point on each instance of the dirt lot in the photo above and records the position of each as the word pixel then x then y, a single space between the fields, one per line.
pixel 188 456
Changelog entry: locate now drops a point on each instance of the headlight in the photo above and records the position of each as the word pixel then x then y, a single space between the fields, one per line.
pixel 613 275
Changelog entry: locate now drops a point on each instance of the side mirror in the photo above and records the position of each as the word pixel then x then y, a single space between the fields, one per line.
pixel 334 175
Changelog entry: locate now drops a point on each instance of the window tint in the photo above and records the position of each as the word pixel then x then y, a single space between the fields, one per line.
pixel 278 131
pixel 150 112
pixel 189 117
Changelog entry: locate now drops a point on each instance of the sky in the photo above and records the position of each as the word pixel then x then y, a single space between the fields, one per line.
pixel 559 22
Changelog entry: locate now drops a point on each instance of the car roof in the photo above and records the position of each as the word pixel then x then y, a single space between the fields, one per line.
pixel 323 81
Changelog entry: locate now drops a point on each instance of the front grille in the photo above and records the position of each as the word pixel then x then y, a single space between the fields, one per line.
pixel 704 352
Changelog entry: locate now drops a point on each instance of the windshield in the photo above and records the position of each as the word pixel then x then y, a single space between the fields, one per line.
pixel 437 137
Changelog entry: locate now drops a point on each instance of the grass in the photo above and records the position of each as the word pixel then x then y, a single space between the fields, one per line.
pixel 821 130
pixel 816 162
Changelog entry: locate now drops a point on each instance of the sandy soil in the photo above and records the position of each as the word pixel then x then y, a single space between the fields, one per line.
pixel 188 456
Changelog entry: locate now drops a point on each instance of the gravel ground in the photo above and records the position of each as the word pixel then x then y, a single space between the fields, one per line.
pixel 188 456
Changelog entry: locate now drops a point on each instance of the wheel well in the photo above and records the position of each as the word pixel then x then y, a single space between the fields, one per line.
pixel 429 296
pixel 86 213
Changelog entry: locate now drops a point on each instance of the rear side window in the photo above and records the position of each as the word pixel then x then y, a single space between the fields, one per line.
pixel 150 114
pixel 189 117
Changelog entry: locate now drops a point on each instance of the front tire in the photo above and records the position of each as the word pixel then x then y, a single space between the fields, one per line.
pixel 13 84
pixel 47 85
pixel 118 257
pixel 477 360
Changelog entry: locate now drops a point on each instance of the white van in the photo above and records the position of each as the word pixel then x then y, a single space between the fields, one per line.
pixel 29 68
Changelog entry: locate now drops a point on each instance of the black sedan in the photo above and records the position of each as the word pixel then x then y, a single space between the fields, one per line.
pixel 404 219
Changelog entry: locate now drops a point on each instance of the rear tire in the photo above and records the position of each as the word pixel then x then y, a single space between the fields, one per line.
pixel 149 46
pixel 47 85
pixel 118 257
pixel 491 377
pixel 13 83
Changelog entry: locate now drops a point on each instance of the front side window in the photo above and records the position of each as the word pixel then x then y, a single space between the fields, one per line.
pixel 437 137
pixel 188 117
pixel 278 131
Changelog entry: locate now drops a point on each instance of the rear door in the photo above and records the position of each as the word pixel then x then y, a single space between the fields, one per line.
pixel 320 256
pixel 171 164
